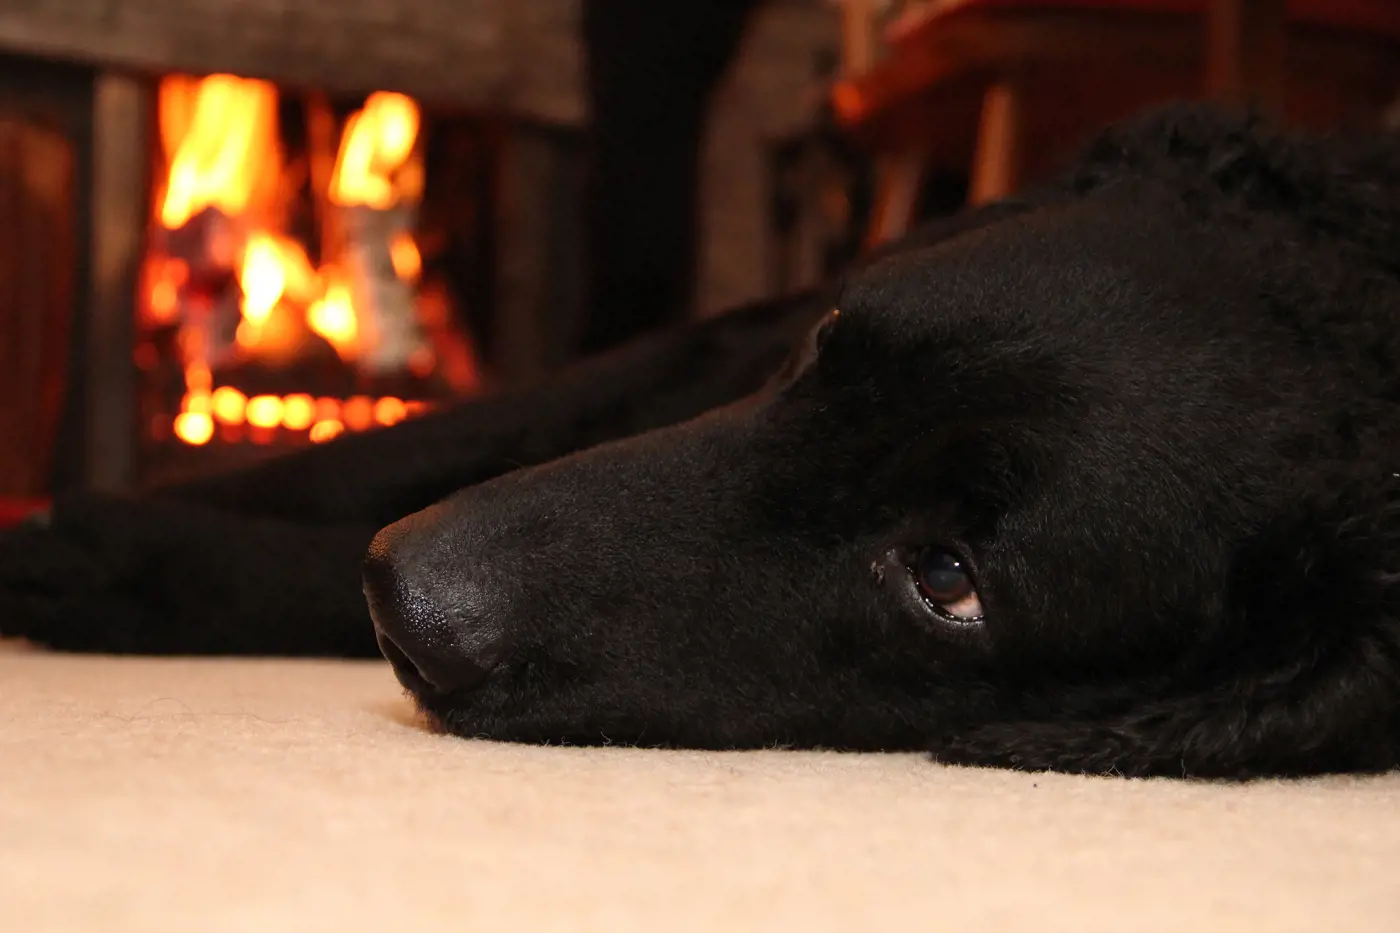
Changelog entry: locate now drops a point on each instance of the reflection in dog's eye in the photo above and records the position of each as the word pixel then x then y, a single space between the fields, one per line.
pixel 945 582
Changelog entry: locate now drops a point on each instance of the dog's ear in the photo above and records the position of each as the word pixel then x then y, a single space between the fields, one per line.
pixel 1310 653
pixel 1302 674
pixel 1342 188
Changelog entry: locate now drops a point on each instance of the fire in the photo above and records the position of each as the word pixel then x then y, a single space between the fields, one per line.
pixel 298 411
pixel 333 317
pixel 220 139
pixel 194 427
pixel 390 411
pixel 377 143
pixel 219 134
pixel 169 277
pixel 322 418
pixel 408 262
pixel 264 411
pixel 229 405
pixel 358 413
pixel 262 279
pixel 323 431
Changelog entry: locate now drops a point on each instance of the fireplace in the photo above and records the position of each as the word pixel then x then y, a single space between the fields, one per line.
pixel 292 286
pixel 250 227
pixel 95 377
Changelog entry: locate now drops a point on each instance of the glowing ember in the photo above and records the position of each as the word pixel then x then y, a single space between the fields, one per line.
pixel 323 431
pixel 328 409
pixel 298 411
pixel 390 411
pixel 164 304
pixel 358 413
pixel 333 317
pixel 408 262
pixel 229 405
pixel 264 411
pixel 194 427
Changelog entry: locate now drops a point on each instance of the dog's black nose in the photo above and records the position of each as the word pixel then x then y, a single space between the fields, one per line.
pixel 439 634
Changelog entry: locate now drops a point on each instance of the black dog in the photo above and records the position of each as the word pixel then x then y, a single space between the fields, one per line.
pixel 1102 479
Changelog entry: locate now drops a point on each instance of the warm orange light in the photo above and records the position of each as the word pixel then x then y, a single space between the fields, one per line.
pixel 264 411
pixel 333 317
pixel 228 404
pixel 194 427
pixel 163 304
pixel 408 262
pixel 358 412
pixel 422 362
pixel 262 278
pixel 165 301
pixel 198 379
pixel 225 137
pixel 221 147
pixel 323 431
pixel 327 409
pixel 178 94
pixel 848 101
pixel 390 410
pixel 298 411
pixel 377 142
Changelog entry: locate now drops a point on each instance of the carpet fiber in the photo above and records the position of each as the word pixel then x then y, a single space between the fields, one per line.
pixel 153 795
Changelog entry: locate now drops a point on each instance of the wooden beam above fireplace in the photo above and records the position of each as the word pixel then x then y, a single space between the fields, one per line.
pixel 520 57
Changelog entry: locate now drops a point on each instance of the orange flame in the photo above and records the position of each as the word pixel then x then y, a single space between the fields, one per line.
pixel 377 142
pixel 219 137
pixel 408 262
pixel 262 278
pixel 333 317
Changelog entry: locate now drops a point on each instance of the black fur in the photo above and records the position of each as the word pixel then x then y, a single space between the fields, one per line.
pixel 1157 407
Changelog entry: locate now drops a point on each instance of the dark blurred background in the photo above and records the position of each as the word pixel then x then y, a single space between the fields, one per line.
pixel 229 228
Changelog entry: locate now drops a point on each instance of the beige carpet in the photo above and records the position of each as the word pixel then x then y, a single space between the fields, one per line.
pixel 185 795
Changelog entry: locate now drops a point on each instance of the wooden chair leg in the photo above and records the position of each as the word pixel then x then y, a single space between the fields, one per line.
pixel 997 162
pixel 857 37
pixel 1245 53
pixel 898 180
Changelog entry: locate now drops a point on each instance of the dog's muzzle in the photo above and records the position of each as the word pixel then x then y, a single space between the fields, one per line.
pixel 440 634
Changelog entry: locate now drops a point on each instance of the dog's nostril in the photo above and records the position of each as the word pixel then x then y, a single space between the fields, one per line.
pixel 404 669
pixel 431 648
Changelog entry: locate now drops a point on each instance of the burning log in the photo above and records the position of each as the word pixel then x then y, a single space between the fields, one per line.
pixel 206 250
pixel 384 303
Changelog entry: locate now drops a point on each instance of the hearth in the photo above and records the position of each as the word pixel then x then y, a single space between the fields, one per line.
pixel 284 295
pixel 222 236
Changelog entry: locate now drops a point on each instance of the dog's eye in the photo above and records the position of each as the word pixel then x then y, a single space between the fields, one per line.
pixel 945 582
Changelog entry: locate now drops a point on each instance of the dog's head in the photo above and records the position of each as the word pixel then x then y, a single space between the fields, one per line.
pixel 1071 491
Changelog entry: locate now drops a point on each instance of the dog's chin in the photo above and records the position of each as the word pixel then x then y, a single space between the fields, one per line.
pixel 546 723
pixel 466 716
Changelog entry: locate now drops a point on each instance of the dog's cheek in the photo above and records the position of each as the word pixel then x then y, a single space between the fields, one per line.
pixel 1310 647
